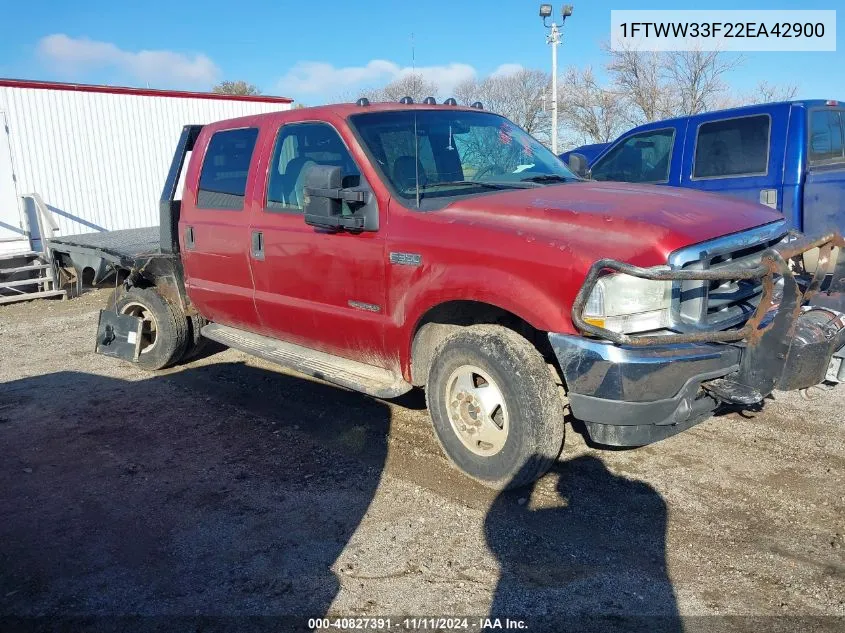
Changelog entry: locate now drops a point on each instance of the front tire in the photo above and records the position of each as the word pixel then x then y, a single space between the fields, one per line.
pixel 164 334
pixel 495 408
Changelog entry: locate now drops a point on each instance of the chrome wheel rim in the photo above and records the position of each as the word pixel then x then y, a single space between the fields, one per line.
pixel 149 327
pixel 477 410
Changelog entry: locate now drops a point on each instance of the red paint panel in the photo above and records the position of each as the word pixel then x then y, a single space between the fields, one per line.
pixel 526 251
pixel 218 278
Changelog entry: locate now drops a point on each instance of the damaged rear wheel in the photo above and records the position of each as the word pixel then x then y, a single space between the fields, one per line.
pixel 164 331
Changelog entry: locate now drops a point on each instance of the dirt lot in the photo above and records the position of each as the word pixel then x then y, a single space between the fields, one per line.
pixel 225 488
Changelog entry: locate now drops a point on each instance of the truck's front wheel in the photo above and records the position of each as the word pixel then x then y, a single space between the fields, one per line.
pixel 495 408
pixel 164 333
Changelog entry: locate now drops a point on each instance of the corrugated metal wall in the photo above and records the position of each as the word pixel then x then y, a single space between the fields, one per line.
pixel 99 160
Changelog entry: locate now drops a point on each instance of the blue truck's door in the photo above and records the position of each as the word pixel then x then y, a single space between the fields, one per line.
pixel 824 183
pixel 737 154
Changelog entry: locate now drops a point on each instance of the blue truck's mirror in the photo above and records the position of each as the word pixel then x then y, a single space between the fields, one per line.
pixel 578 165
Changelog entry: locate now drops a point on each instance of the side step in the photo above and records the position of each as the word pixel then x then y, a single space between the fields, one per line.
pixel 351 374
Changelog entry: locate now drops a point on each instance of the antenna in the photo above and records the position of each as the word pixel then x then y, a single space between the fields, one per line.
pixel 416 138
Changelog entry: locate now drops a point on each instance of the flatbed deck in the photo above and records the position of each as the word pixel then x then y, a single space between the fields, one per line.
pixel 125 245
pixel 105 252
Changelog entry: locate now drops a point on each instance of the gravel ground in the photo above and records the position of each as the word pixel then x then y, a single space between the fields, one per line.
pixel 227 488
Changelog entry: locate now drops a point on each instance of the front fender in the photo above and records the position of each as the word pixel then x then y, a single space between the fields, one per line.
pixel 525 298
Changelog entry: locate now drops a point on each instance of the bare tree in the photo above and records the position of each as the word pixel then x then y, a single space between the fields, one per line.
pixel 768 93
pixel 412 85
pixel 639 76
pixel 467 92
pixel 238 87
pixel 696 79
pixel 518 96
pixel 591 113
pixel 660 85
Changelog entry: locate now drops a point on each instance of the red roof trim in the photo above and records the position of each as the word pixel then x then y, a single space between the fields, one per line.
pixel 140 92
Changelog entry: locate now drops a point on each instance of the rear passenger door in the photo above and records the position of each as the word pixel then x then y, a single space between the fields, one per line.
pixel 824 185
pixel 736 156
pixel 214 233
pixel 645 157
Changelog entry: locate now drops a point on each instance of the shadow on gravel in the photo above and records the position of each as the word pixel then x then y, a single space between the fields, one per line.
pixel 595 562
pixel 159 498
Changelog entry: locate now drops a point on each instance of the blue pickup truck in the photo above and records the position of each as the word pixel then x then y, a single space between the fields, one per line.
pixel 789 156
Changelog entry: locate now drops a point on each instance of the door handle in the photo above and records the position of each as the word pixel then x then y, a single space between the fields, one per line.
pixel 189 238
pixel 258 245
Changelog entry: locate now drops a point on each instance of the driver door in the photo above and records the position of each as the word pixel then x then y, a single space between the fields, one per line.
pixel 315 288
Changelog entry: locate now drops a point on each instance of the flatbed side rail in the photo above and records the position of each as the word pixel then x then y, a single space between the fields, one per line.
pixel 774 261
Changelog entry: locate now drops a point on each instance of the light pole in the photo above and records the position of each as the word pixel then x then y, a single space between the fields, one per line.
pixel 553 39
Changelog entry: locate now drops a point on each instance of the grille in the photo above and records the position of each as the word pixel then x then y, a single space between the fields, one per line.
pixel 726 302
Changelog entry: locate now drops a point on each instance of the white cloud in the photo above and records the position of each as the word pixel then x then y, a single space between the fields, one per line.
pixel 507 69
pixel 324 78
pixel 75 56
pixel 319 77
pixel 445 77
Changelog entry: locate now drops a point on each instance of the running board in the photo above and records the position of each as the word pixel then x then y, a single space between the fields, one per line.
pixel 351 374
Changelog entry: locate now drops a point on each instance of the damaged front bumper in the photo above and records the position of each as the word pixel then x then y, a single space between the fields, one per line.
pixel 633 390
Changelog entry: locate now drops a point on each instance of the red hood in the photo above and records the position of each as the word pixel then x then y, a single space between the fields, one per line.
pixel 650 221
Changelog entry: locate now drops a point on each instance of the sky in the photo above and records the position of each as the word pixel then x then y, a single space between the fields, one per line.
pixel 322 51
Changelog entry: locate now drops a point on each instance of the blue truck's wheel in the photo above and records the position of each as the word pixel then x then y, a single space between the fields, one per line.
pixel 495 408
pixel 165 329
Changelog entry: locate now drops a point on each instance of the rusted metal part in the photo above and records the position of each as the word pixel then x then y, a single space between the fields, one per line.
pixel 768 347
pixel 774 262
pixel 822 270
pixel 164 271
pixel 728 390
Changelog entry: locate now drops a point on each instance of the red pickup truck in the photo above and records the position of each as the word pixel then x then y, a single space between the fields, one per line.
pixel 386 246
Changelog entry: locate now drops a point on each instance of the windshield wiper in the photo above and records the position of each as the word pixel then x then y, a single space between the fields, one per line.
pixel 477 183
pixel 546 178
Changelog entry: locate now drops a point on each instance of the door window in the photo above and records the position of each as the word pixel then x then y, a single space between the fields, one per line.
pixel 826 137
pixel 643 157
pixel 733 147
pixel 299 147
pixel 225 169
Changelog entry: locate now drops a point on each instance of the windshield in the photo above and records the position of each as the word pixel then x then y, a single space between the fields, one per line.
pixel 458 153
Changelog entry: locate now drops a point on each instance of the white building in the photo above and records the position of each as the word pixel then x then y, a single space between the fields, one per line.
pixel 97 155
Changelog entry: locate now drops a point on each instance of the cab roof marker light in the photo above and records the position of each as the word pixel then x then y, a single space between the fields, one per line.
pixel 831 102
pixel 450 102
pixel 430 101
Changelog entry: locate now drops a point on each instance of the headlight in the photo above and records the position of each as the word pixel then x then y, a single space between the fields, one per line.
pixel 628 304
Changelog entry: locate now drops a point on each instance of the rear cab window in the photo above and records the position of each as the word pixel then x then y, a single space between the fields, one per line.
pixel 732 147
pixel 827 137
pixel 225 169
pixel 645 157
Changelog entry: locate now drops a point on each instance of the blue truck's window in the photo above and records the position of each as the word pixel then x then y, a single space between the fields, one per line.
pixel 732 147
pixel 643 157
pixel 300 146
pixel 827 137
pixel 225 169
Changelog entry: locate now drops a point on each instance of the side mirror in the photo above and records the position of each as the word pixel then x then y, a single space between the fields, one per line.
pixel 578 165
pixel 319 206
pixel 324 198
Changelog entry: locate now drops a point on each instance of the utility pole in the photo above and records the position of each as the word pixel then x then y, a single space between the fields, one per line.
pixel 554 39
